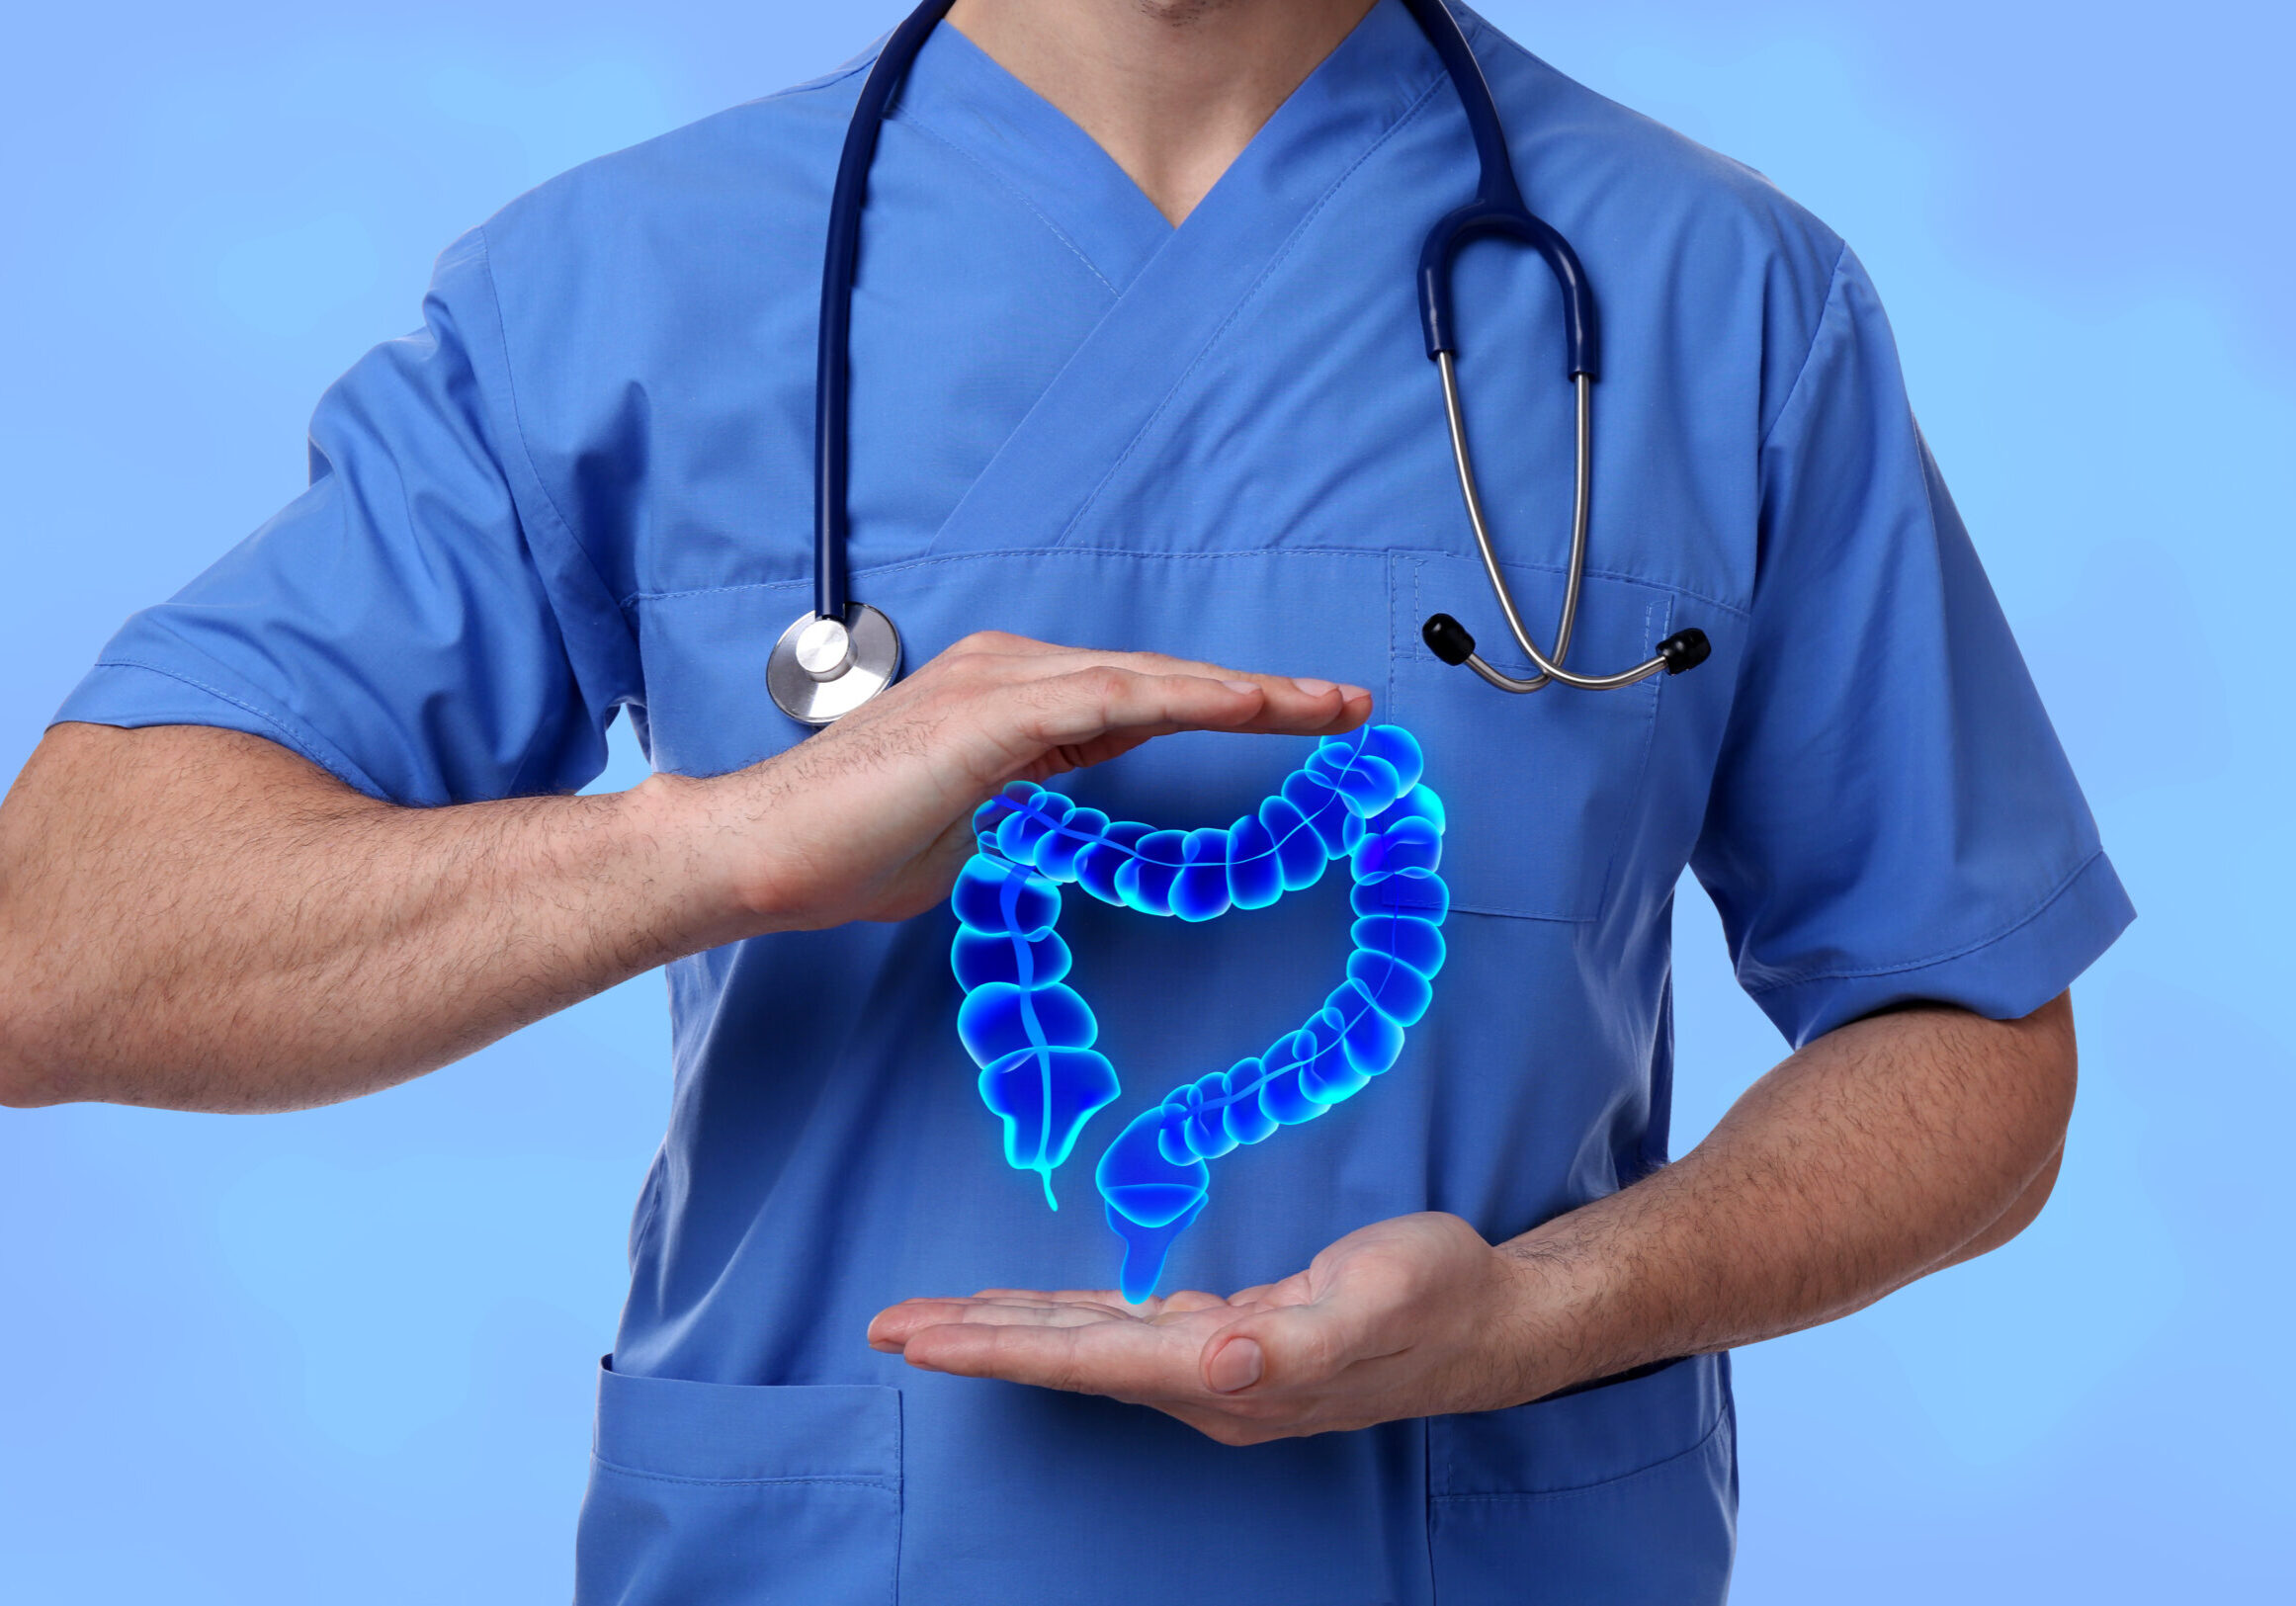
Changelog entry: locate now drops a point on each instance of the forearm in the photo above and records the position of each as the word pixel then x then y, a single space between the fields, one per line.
pixel 1888 1148
pixel 237 930
pixel 200 919
pixel 1885 1150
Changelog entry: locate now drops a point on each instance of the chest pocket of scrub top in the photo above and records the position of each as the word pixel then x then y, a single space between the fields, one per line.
pixel 717 1494
pixel 1539 788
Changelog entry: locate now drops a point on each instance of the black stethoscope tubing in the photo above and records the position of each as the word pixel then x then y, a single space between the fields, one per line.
pixel 1498 208
pixel 832 370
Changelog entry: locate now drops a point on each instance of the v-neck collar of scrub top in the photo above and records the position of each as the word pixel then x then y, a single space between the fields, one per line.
pixel 961 95
pixel 1173 290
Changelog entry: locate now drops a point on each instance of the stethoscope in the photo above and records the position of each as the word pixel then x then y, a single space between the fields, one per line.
pixel 841 653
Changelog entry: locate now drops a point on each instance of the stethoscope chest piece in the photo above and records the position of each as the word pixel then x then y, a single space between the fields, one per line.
pixel 823 668
pixel 841 654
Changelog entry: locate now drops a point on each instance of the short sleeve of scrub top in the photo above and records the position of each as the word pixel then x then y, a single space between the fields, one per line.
pixel 1075 422
pixel 1892 819
pixel 408 621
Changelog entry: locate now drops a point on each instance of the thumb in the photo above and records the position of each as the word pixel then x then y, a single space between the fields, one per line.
pixel 1296 1346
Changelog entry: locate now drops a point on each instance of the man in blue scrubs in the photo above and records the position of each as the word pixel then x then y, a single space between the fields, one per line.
pixel 1136 372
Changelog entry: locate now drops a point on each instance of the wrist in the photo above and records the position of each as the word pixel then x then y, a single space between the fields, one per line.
pixel 701 861
pixel 1558 1300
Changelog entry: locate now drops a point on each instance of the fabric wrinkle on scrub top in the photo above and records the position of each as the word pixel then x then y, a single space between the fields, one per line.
pixel 584 487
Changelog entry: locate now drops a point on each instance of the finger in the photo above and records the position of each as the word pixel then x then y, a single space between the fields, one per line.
pixel 1107 1300
pixel 1087 703
pixel 1290 1346
pixel 892 1326
pixel 1037 1311
pixel 1147 662
pixel 1087 715
pixel 1306 707
pixel 1233 1366
pixel 1188 1299
pixel 1292 1290
pixel 1126 1360
pixel 1296 700
pixel 1297 705
pixel 1115 743
pixel 896 1326
pixel 1050 658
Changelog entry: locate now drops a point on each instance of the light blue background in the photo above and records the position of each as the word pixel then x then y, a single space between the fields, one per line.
pixel 345 1356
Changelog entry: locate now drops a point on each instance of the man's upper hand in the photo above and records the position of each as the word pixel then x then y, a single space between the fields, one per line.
pixel 869 820
pixel 203 919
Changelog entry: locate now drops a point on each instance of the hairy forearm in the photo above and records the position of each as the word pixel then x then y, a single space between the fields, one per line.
pixel 1885 1150
pixel 200 919
pixel 233 929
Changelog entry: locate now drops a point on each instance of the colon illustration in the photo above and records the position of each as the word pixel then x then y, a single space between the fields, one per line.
pixel 1358 797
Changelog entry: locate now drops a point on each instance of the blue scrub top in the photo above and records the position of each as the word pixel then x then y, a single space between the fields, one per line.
pixel 584 486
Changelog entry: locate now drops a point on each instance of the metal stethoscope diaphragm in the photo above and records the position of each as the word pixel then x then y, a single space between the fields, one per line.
pixel 824 667
pixel 841 653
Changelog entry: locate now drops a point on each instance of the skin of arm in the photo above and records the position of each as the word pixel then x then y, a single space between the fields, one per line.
pixel 199 919
pixel 1889 1148
pixel 1881 1151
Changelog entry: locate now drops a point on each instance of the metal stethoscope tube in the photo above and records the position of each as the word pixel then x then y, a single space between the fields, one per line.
pixel 1549 669
pixel 839 653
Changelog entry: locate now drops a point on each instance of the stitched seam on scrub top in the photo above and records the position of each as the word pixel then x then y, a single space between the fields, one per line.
pixel 799 582
pixel 814 86
pixel 1426 1429
pixel 1283 254
pixel 308 743
pixel 1591 572
pixel 886 1484
pixel 1578 1490
pixel 1800 977
pixel 525 452
pixel 1366 553
pixel 901 1499
pixel 1825 305
pixel 1416 653
pixel 1006 185
pixel 1643 768
pixel 1395 625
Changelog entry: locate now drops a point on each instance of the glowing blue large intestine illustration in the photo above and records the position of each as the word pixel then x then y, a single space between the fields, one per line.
pixel 1358 797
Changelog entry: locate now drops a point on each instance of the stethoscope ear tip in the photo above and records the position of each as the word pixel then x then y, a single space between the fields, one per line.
pixel 1448 639
pixel 1450 642
pixel 1685 649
